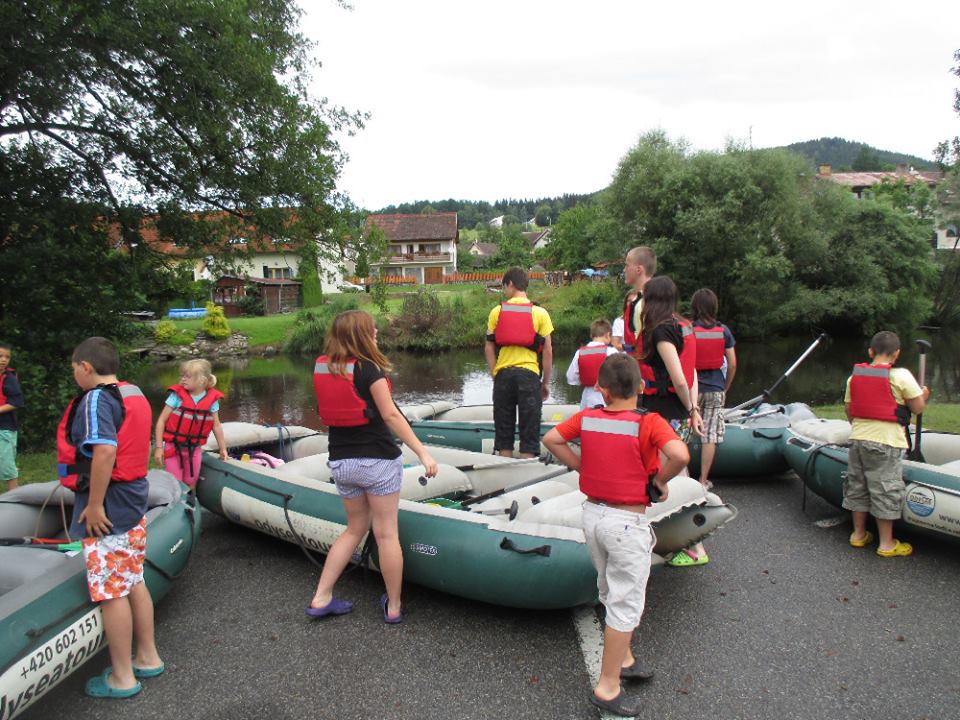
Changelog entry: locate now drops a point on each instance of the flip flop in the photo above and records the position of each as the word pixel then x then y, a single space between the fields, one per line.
pixel 142 672
pixel 98 687
pixel 622 704
pixel 334 607
pixel 866 540
pixel 389 619
pixel 685 558
pixel 636 671
pixel 901 549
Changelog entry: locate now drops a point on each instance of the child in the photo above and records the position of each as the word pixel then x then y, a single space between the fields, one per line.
pixel 879 399
pixel 587 361
pixel 715 348
pixel 103 449
pixel 11 398
pixel 617 532
pixel 191 411
pixel 354 401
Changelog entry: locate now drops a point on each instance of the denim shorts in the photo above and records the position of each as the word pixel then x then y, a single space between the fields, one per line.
pixel 367 476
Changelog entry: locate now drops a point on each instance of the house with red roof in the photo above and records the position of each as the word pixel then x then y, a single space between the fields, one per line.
pixel 423 247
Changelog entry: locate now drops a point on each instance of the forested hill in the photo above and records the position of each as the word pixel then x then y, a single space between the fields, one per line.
pixel 847 155
pixel 469 212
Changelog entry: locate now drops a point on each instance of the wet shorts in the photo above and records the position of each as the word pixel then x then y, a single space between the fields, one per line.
pixel 711 409
pixel 874 482
pixel 620 544
pixel 115 562
pixel 373 476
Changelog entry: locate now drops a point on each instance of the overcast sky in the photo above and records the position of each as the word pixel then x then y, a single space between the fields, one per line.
pixel 532 98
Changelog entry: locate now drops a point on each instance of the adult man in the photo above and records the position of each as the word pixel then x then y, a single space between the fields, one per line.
pixel 519 354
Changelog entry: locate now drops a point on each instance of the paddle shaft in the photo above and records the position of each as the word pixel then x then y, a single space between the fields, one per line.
pixel 923 346
pixel 509 463
pixel 767 393
pixel 518 486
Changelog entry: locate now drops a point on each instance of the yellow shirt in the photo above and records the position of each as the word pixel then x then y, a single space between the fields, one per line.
pixel 513 355
pixel 904 387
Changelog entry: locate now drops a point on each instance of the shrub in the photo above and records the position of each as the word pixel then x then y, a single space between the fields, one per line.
pixel 310 327
pixel 215 323
pixel 252 302
pixel 165 331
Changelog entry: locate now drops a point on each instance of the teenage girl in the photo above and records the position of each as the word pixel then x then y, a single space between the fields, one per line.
pixel 190 413
pixel 667 390
pixel 354 401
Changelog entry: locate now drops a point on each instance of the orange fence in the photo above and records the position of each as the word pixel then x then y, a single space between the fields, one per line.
pixel 483 277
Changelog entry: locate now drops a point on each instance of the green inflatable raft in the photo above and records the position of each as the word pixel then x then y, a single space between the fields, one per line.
pixel 48 625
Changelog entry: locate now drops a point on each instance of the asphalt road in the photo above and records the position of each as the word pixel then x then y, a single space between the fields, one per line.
pixel 787 621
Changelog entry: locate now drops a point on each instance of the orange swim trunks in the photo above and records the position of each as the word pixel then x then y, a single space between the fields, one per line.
pixel 115 562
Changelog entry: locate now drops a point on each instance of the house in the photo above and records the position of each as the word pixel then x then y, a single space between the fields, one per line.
pixel 860 184
pixel 479 249
pixel 496 222
pixel 420 246
pixel 538 239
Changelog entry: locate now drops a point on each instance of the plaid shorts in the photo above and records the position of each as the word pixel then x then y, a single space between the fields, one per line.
pixel 360 476
pixel 115 562
pixel 711 410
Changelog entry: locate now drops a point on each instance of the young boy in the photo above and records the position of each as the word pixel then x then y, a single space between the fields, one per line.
pixel 11 398
pixel 879 400
pixel 617 532
pixel 586 363
pixel 103 449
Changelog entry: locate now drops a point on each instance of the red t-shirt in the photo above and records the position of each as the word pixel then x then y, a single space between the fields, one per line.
pixel 655 432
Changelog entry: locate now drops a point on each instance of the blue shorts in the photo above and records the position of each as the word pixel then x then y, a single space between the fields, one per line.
pixel 367 476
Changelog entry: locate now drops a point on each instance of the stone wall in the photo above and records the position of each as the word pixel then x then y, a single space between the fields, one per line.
pixel 204 347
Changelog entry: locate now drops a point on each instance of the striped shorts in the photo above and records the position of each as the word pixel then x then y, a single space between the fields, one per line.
pixel 366 476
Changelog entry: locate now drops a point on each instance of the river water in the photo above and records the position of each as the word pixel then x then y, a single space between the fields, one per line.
pixel 280 390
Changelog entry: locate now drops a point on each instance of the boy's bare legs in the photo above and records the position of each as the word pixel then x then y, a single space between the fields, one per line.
pixel 141 605
pixel 384 508
pixel 708 451
pixel 12 484
pixel 885 530
pixel 118 628
pixel 860 528
pixel 358 523
pixel 616 650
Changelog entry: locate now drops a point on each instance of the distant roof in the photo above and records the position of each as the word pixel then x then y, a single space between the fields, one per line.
pixel 868 179
pixel 399 227
pixel 534 236
pixel 484 248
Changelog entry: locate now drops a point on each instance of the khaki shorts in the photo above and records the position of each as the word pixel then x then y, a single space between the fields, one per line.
pixel 874 481
pixel 620 544
pixel 711 410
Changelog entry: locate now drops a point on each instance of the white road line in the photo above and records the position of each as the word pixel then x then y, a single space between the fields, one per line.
pixel 590 634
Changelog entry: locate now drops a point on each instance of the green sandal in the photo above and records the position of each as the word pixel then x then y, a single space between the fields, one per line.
pixel 685 558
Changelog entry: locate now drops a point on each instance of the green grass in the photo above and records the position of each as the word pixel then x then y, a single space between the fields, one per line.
pixel 267 330
pixel 42 466
pixel 943 417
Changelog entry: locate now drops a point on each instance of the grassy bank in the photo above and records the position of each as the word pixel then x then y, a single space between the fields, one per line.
pixel 38 467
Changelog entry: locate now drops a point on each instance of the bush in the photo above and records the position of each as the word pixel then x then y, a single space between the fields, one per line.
pixel 165 331
pixel 215 323
pixel 426 323
pixel 252 302
pixel 310 327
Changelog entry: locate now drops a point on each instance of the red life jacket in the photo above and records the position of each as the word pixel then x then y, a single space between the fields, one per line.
pixel 630 338
pixel 871 396
pixel 612 466
pixel 189 425
pixel 3 378
pixel 133 440
pixel 653 384
pixel 589 360
pixel 711 347
pixel 515 327
pixel 338 403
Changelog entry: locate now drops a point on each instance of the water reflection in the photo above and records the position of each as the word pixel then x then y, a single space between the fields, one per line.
pixel 280 389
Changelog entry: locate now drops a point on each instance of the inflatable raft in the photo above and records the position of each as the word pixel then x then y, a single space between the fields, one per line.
pixel 48 625
pixel 487 528
pixel 817 451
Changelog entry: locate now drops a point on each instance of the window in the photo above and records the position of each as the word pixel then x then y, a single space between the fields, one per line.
pixel 238 241
pixel 275 273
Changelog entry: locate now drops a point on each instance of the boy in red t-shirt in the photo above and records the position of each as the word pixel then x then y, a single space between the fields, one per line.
pixel 619 463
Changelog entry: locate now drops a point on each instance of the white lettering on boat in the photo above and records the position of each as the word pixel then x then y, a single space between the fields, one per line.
pixel 424 549
pixel 316 533
pixel 30 678
pixel 928 508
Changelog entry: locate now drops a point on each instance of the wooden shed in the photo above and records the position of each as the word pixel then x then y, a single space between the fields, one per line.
pixel 279 294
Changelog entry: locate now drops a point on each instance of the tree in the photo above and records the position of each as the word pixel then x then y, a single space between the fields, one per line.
pixel 867 160
pixel 583 235
pixel 114 116
pixel 947 153
pixel 513 249
pixel 544 215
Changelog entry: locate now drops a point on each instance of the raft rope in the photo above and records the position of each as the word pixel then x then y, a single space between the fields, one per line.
pixel 287 497
pixel 808 466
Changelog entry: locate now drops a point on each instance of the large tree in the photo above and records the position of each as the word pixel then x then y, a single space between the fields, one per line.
pixel 191 117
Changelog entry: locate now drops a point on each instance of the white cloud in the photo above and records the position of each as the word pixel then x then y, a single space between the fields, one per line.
pixel 531 98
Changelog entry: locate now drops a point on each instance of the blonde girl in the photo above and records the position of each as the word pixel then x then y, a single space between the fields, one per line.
pixel 354 401
pixel 191 412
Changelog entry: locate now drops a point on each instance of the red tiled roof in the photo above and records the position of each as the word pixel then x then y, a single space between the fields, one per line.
pixel 400 228
pixel 868 179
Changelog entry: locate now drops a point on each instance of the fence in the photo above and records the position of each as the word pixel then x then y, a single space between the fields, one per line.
pixel 387 280
pixel 483 277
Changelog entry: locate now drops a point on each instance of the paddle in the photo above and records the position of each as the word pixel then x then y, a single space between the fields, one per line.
pixel 518 486
pixel 765 395
pixel 545 459
pixel 915 454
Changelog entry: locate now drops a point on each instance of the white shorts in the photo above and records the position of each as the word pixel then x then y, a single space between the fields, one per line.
pixel 620 543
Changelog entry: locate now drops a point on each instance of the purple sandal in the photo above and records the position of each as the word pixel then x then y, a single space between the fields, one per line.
pixel 390 619
pixel 334 607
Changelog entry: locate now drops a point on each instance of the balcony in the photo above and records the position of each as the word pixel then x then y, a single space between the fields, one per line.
pixel 417 257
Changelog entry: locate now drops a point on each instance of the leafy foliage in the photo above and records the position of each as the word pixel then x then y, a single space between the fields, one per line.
pixel 165 331
pixel 842 154
pixel 513 250
pixel 215 323
pixel 310 327
pixel 948 151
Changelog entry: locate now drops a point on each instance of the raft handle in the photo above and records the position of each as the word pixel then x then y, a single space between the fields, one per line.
pixel 797 442
pixel 508 544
